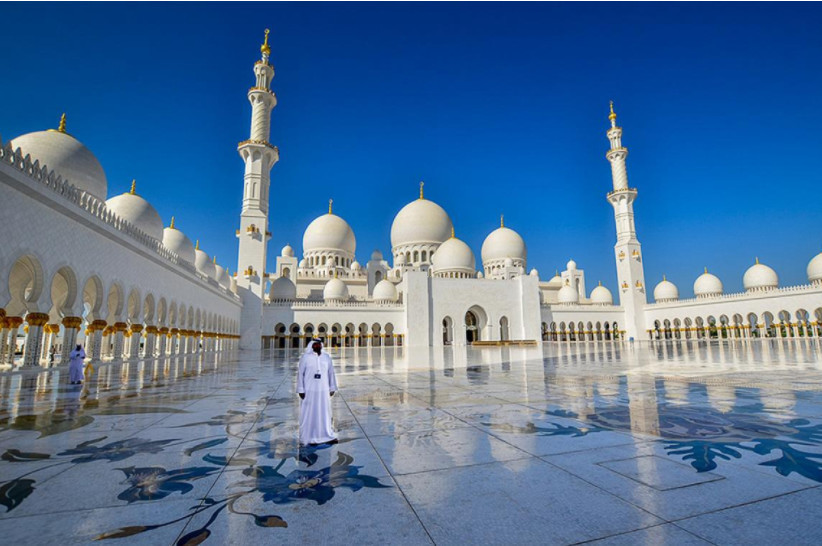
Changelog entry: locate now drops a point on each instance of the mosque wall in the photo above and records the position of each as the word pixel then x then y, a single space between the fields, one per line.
pixel 58 261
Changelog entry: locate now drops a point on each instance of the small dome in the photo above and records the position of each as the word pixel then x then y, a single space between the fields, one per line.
pixel 571 265
pixel 760 277
pixel 303 264
pixel 282 289
pixel 568 294
pixel 453 255
pixel 222 276
pixel 376 256
pixel 138 212
pixel 177 242
pixel 666 291
pixel 480 275
pixel 503 243
pixel 556 281
pixel 66 156
pixel 815 269
pixel 329 232
pixel 508 262
pixel 601 296
pixel 355 266
pixel 534 273
pixel 287 252
pixel 707 284
pixel 385 291
pixel 420 221
pixel 203 263
pixel 335 290
pixel 400 259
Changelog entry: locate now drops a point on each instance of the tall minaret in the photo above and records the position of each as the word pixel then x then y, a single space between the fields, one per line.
pixel 259 156
pixel 630 272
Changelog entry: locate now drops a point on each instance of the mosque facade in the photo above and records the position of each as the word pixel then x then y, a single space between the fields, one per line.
pixel 106 272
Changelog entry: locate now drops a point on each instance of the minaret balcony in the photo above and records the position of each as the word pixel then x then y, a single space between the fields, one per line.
pixel 621 191
pixel 259 143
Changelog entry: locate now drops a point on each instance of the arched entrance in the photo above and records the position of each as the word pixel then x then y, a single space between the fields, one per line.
pixel 472 332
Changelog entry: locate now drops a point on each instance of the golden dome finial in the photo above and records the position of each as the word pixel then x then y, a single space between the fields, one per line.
pixel 501 220
pixel 757 260
pixel 172 223
pixel 197 246
pixel 330 203
pixel 612 115
pixel 421 185
pixel 600 283
pixel 133 190
pixel 264 49
pixel 706 269
pixel 62 126
pixel 663 277
pixel 453 236
pixel 214 260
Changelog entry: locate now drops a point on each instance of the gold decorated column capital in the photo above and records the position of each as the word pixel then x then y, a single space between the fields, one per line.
pixel 72 322
pixel 97 325
pixel 120 326
pixel 151 330
pixel 37 319
pixel 164 330
pixel 136 328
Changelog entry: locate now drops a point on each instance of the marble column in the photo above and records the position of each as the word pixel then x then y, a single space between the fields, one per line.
pixel 71 327
pixel 4 335
pixel 151 336
pixel 14 324
pixel 172 340
pixel 95 351
pixel 49 335
pixel 162 340
pixel 119 335
pixel 134 346
pixel 34 340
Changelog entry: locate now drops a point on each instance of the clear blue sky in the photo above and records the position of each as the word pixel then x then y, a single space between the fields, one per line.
pixel 500 108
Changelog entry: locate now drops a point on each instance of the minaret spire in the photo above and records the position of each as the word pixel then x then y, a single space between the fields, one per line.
pixel 133 190
pixel 259 156
pixel 62 126
pixel 630 269
pixel 421 186
pixel 330 204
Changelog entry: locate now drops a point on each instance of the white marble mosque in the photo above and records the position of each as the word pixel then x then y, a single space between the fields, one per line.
pixel 142 289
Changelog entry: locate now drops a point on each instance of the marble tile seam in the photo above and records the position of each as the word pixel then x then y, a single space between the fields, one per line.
pixel 391 475
pixel 622 533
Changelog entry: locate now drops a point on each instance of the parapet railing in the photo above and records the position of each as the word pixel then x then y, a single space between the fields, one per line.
pixel 92 205
pixel 312 304
pixel 785 290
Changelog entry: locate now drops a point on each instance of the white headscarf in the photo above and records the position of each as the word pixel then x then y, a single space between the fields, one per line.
pixel 309 347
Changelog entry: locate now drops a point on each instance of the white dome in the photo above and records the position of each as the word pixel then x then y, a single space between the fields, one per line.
pixel 534 273
pixel 453 255
pixel 329 232
pixel 203 263
pixel 602 296
pixel 335 290
pixel 177 242
pixel 303 264
pixel 221 275
pixel 420 221
pixel 556 280
pixel 480 275
pixel 376 256
pixel 385 291
pixel 66 156
pixel 707 284
pixel 571 265
pixel 760 277
pixel 503 243
pixel 568 294
pixel 355 266
pixel 666 291
pixel 287 252
pixel 138 212
pixel 815 269
pixel 282 289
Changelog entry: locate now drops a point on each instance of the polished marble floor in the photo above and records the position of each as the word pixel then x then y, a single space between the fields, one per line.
pixel 663 443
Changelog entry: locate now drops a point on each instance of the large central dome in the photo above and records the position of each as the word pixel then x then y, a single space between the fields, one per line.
pixel 66 156
pixel 419 222
pixel 329 232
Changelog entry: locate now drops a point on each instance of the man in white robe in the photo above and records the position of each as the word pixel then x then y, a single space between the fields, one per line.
pixel 316 384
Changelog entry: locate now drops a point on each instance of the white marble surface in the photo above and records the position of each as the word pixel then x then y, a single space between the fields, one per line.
pixel 667 443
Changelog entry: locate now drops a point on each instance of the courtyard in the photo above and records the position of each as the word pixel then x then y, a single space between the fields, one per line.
pixel 669 442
